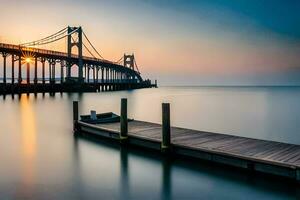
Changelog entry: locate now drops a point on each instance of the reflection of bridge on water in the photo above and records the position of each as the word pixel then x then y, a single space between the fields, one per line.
pixel 106 75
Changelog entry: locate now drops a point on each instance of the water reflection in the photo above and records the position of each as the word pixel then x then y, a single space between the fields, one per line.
pixel 28 132
pixel 187 179
pixel 166 192
pixel 124 174
pixel 41 159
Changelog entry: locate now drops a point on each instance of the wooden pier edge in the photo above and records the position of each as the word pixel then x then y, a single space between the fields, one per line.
pixel 145 135
pixel 283 170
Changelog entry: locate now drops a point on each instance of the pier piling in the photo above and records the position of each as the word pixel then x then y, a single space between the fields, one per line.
pixel 166 129
pixel 75 115
pixel 123 119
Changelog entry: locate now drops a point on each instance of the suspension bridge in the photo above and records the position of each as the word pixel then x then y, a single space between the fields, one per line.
pixel 83 71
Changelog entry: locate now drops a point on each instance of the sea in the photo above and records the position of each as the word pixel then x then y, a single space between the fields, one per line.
pixel 40 158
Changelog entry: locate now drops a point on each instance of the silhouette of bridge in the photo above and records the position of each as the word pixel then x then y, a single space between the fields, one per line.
pixel 106 75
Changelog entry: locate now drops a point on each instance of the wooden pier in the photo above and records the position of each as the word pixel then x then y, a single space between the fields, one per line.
pixel 269 157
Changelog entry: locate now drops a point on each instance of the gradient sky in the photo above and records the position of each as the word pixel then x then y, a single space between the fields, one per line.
pixel 177 42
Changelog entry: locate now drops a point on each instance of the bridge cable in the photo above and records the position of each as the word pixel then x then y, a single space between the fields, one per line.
pixel 92 45
pixel 46 38
pixel 53 38
pixel 119 61
pixel 136 66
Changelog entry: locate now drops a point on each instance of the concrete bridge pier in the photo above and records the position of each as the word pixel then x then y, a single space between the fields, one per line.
pixel 12 69
pixel 4 55
pixel 20 70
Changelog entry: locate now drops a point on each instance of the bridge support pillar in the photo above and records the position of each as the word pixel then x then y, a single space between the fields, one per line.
pixel 85 72
pixel 88 74
pixel 35 70
pixel 129 61
pixel 43 70
pixel 102 74
pixel 94 74
pixel 62 65
pixel 12 69
pixel 20 70
pixel 4 67
pixel 53 72
pixel 50 74
pixel 97 75
pixel 28 73
pixel 78 44
pixel 106 73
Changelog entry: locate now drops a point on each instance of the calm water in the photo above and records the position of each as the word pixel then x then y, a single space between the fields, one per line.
pixel 41 159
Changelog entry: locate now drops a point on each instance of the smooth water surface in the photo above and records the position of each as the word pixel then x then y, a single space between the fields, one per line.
pixel 41 159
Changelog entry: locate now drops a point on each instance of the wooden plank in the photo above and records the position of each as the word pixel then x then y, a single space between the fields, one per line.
pixel 275 153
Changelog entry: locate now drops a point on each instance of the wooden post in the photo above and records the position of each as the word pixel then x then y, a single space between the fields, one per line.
pixel 166 128
pixel 75 115
pixel 123 119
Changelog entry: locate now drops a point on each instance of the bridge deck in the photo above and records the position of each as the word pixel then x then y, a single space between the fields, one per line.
pixel 259 155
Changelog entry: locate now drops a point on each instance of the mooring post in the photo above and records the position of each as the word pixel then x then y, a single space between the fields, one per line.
pixel 123 120
pixel 75 115
pixel 166 128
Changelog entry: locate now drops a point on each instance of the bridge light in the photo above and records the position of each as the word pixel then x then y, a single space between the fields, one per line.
pixel 28 60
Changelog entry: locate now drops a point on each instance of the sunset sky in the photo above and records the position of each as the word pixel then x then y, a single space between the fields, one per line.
pixel 178 42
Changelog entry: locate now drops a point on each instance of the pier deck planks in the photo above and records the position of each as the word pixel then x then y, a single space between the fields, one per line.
pixel 269 156
pixel 276 152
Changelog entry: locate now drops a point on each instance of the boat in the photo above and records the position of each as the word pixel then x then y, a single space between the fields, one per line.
pixel 108 117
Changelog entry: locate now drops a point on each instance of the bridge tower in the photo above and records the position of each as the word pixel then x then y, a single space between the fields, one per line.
pixel 129 61
pixel 77 42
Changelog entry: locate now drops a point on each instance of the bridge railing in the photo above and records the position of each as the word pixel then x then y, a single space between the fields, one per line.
pixel 50 52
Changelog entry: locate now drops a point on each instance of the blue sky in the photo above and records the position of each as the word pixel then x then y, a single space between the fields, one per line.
pixel 198 42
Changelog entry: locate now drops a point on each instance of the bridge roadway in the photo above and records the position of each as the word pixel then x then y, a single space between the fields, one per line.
pixel 56 55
